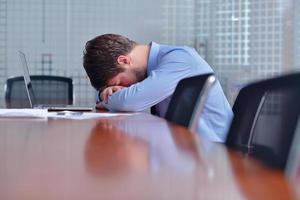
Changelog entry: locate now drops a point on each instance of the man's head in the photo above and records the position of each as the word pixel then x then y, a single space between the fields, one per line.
pixel 109 60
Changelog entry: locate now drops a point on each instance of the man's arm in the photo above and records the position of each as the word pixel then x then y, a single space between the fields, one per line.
pixel 104 94
pixel 109 91
pixel 159 85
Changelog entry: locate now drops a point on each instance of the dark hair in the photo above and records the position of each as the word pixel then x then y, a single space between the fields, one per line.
pixel 100 57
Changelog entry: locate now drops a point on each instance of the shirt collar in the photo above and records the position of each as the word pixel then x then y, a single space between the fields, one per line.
pixel 152 60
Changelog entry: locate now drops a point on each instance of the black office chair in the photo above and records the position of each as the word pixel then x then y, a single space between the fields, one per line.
pixel 266 114
pixel 188 100
pixel 48 90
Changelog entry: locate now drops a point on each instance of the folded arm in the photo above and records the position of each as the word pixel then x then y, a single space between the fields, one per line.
pixel 159 85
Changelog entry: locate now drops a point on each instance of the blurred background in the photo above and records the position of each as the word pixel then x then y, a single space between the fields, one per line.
pixel 243 40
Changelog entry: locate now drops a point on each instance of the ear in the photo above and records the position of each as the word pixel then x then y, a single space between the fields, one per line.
pixel 122 60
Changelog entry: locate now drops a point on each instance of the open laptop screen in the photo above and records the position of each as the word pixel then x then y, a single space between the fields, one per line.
pixel 30 93
pixel 27 80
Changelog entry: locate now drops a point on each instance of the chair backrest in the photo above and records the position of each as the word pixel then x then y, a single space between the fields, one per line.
pixel 48 90
pixel 292 169
pixel 188 100
pixel 265 118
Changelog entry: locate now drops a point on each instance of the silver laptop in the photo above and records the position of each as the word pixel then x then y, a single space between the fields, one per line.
pixel 30 91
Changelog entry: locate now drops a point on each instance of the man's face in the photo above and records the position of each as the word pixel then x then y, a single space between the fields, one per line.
pixel 127 78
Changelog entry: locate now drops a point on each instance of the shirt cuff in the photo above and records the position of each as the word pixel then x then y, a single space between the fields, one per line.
pixel 98 98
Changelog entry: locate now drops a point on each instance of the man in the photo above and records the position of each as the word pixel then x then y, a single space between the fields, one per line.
pixel 134 77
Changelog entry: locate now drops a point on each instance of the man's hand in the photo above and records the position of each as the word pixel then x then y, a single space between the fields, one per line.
pixel 100 106
pixel 109 91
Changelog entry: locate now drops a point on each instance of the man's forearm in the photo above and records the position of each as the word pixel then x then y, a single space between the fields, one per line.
pixel 135 98
pixel 123 101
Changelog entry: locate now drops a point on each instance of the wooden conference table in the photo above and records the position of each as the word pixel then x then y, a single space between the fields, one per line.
pixel 126 157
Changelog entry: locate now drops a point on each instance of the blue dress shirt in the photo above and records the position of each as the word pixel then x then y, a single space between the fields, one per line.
pixel 167 65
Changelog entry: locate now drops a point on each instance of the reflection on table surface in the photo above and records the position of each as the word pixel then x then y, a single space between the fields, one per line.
pixel 125 157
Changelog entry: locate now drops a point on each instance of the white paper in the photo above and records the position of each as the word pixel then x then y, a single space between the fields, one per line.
pixel 82 115
pixel 43 113
pixel 23 113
